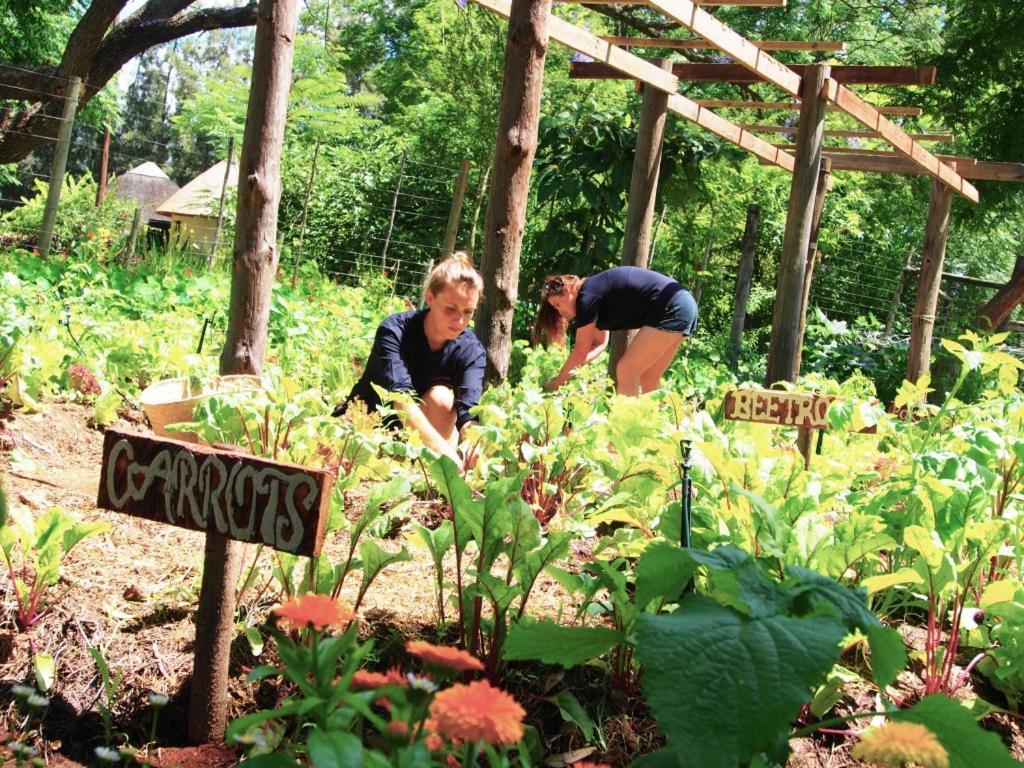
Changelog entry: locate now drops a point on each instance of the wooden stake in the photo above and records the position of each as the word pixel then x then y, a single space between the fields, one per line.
pixel 922 324
pixel 391 220
pixel 525 52
pixel 743 280
pixel 783 350
pixel 253 268
pixel 897 295
pixel 101 182
pixel 60 162
pixel 305 209
pixel 456 211
pixel 220 207
pixel 643 191
pixel 481 193
pixel 133 237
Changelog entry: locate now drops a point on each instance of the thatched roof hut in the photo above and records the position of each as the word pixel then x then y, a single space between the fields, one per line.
pixel 147 185
pixel 193 208
pixel 201 196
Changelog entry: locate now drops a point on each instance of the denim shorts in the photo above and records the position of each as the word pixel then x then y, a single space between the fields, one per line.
pixel 680 315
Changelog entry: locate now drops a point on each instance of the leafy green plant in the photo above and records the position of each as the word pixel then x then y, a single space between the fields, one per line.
pixel 110 692
pixel 33 551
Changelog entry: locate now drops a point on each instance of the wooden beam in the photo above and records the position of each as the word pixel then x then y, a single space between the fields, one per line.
pixel 922 322
pixel 702 72
pixel 703 24
pixel 640 69
pixel 953 277
pixel 993 314
pixel 878 161
pixel 794 106
pixel 696 44
pixel 942 137
pixel 784 345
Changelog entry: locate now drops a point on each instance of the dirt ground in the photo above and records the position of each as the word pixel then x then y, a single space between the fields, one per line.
pixel 132 593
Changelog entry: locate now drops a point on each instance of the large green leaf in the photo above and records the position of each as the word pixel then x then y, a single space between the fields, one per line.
pixel 723 686
pixel 551 643
pixel 662 572
pixel 465 509
pixel 966 743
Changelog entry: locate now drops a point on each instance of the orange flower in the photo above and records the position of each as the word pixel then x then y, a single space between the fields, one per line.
pixel 444 656
pixel 318 611
pixel 432 741
pixel 588 764
pixel 365 680
pixel 478 712
pixel 399 729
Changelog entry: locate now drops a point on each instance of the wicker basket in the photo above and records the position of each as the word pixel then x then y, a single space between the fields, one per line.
pixel 170 401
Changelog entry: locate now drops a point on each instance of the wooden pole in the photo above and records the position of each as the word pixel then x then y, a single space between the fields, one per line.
pixel 743 280
pixel 643 192
pixel 922 324
pixel 698 286
pixel 824 185
pixel 783 350
pixel 220 207
pixel 60 162
pixel 101 182
pixel 253 268
pixel 133 237
pixel 305 208
pixel 391 220
pixel 525 52
pixel 481 193
pixel 897 295
pixel 456 211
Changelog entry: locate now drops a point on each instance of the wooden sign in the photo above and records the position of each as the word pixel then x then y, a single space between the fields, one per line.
pixel 242 497
pixel 776 406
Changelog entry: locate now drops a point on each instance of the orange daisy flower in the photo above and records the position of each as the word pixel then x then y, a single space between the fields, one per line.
pixel 444 656
pixel 478 712
pixel 318 611
pixel 398 729
pixel 365 680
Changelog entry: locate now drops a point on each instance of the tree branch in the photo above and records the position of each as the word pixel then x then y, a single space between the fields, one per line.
pixel 96 55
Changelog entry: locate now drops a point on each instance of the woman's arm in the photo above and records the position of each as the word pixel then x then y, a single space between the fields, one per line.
pixel 415 418
pixel 590 342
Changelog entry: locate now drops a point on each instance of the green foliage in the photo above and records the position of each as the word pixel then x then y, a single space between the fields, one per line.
pixel 33 551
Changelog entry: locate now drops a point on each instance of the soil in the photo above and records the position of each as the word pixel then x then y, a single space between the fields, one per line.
pixel 132 593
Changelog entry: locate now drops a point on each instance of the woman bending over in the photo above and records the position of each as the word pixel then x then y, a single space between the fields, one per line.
pixel 433 354
pixel 619 299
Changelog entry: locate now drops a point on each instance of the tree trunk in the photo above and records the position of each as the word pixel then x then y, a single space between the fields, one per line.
pixel 255 263
pixel 643 191
pixel 744 278
pixel 525 52
pixel 783 351
pixel 997 310
pixel 922 324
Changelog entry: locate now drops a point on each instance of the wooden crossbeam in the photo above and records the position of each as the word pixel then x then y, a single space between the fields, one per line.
pixel 640 69
pixel 880 161
pixel 940 137
pixel 794 106
pixel 703 24
pixel 738 73
pixel 696 44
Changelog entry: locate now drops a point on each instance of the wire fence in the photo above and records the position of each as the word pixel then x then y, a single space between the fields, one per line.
pixel 385 217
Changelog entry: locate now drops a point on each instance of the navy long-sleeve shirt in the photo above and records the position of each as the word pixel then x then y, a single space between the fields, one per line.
pixel 401 360
pixel 624 298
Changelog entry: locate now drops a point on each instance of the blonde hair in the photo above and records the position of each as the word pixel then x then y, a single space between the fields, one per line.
pixel 456 269
pixel 550 327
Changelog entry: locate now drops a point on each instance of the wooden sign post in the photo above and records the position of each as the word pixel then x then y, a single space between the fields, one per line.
pixel 804 410
pixel 240 497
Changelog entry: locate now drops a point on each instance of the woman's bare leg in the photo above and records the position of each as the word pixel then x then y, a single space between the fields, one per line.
pixel 438 406
pixel 650 379
pixel 649 347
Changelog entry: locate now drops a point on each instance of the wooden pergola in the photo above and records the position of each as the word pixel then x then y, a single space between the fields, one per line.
pixel 816 90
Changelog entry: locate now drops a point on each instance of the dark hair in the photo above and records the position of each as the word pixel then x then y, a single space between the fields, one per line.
pixel 550 327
